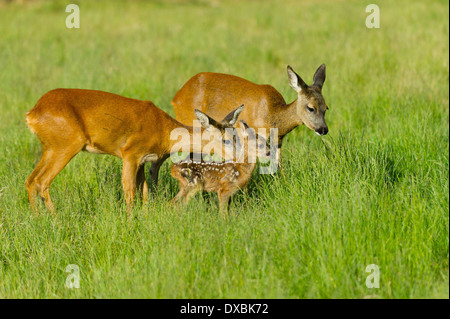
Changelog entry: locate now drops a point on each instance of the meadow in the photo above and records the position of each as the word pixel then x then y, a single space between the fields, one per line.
pixel 375 190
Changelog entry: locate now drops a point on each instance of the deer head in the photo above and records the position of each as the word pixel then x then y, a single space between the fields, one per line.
pixel 254 145
pixel 310 104
pixel 223 131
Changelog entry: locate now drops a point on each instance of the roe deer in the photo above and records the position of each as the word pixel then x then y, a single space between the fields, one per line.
pixel 213 93
pixel 68 121
pixel 223 178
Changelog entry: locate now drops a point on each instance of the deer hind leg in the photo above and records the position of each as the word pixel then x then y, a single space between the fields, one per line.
pixel 30 184
pixel 224 202
pixel 51 164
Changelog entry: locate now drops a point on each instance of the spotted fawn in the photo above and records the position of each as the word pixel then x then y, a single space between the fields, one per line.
pixel 223 178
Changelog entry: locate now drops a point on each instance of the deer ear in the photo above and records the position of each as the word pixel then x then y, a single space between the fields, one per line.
pixel 246 130
pixel 232 118
pixel 243 124
pixel 243 127
pixel 205 120
pixel 319 76
pixel 295 80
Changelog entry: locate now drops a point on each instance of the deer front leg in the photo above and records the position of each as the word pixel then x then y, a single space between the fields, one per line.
pixel 129 174
pixel 181 194
pixel 142 183
pixel 278 164
pixel 278 158
pixel 185 194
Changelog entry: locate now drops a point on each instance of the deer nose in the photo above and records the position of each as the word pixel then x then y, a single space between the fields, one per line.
pixel 322 130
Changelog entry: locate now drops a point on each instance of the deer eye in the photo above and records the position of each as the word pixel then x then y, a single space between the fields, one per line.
pixel 226 142
pixel 310 109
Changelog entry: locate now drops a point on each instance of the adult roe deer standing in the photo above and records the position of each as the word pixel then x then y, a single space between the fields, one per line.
pixel 223 178
pixel 214 93
pixel 68 121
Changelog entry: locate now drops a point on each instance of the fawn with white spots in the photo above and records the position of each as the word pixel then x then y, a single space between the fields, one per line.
pixel 223 178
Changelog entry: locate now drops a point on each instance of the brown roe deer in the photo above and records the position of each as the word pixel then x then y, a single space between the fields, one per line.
pixel 214 93
pixel 223 178
pixel 68 121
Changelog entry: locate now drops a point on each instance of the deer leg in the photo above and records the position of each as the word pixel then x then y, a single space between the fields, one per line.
pixel 177 197
pixel 129 174
pixel 279 159
pixel 181 194
pixel 142 183
pixel 224 202
pixel 30 184
pixel 54 163
pixel 279 165
pixel 192 191
pixel 186 193
pixel 154 169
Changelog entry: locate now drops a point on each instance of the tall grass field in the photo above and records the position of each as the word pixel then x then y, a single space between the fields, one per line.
pixel 374 191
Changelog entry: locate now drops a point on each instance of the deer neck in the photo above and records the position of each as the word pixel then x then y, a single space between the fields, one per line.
pixel 286 119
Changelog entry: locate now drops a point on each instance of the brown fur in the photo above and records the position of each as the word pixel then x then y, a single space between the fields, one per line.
pixel 215 93
pixel 68 121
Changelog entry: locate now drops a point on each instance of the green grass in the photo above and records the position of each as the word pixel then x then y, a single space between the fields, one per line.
pixel 375 190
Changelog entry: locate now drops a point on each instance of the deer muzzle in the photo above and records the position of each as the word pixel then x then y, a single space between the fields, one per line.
pixel 322 130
